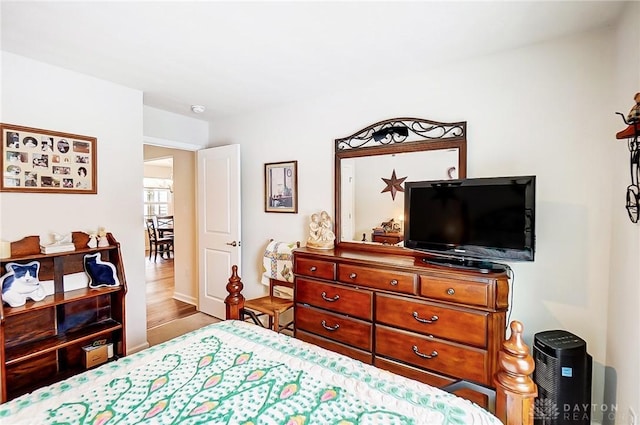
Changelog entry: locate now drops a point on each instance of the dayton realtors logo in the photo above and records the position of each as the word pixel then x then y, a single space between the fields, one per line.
pixel 547 410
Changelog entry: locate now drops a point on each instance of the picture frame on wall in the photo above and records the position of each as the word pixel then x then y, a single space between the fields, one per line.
pixel 44 161
pixel 281 187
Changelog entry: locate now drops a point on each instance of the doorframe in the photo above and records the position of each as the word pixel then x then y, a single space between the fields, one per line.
pixel 192 296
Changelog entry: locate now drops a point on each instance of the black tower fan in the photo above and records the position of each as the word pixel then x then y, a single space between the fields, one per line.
pixel 563 377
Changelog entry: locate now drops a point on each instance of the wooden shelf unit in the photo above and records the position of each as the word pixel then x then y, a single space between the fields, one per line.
pixel 41 341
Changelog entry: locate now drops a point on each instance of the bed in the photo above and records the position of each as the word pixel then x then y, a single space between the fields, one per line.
pixel 233 372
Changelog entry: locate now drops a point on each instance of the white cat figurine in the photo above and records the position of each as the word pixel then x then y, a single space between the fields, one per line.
pixel 21 282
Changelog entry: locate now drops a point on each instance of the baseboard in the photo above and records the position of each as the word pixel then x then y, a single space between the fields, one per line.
pixel 132 350
pixel 185 299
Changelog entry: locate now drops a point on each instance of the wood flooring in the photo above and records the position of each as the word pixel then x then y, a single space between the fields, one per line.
pixel 161 306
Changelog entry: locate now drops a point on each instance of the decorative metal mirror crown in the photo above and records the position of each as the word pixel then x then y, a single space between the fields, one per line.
pixel 372 166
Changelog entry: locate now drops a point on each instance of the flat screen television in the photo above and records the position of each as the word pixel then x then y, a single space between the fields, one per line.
pixel 485 219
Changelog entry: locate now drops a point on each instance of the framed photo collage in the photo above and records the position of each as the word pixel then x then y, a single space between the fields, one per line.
pixel 36 160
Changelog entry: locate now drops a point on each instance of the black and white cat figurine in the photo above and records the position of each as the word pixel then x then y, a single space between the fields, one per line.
pixel 21 282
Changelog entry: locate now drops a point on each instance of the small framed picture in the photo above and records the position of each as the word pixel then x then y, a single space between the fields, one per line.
pixel 281 187
pixel 36 160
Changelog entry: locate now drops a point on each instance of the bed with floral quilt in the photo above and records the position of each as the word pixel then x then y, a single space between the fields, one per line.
pixel 233 372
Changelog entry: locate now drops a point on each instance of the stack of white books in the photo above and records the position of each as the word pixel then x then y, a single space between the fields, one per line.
pixel 57 248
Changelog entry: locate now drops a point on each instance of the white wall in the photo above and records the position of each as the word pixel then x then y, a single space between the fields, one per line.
pixel 623 336
pixel 544 110
pixel 167 129
pixel 38 95
pixel 157 171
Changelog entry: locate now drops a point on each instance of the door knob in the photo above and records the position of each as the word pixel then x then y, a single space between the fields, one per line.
pixel 234 243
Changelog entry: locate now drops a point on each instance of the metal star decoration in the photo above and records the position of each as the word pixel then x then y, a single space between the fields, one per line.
pixel 394 185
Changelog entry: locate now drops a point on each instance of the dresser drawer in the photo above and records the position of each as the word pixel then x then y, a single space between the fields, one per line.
pixel 378 278
pixel 414 373
pixel 434 354
pixel 466 326
pixel 334 326
pixel 337 298
pixel 458 291
pixel 354 353
pixel 315 268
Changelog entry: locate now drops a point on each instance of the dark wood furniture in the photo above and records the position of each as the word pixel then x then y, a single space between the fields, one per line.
pixel 165 226
pixel 434 324
pixel 387 238
pixel 41 342
pixel 515 391
pixel 157 243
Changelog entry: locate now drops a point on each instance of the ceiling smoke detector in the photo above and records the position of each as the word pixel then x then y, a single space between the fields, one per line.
pixel 197 109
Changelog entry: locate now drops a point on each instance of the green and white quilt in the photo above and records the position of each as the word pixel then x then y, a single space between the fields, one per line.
pixel 237 373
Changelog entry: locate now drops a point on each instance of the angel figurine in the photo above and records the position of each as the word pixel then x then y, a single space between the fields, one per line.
pixel 321 234
pixel 93 240
pixel 102 238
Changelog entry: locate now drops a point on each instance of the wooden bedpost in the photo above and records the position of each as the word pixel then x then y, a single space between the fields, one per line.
pixel 235 300
pixel 515 390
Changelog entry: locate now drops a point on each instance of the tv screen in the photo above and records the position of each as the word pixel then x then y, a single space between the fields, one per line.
pixel 483 218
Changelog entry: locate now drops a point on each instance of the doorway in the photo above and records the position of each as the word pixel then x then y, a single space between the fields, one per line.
pixel 162 307
pixel 171 285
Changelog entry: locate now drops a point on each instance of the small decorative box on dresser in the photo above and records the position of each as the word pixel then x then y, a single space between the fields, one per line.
pixel 435 324
pixel 388 238
pixel 42 342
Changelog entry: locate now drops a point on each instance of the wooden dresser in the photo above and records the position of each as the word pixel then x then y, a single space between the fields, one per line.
pixel 435 324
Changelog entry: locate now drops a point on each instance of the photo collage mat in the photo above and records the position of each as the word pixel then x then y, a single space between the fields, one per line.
pixel 35 160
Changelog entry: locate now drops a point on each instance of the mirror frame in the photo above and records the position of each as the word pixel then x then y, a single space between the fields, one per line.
pixel 396 135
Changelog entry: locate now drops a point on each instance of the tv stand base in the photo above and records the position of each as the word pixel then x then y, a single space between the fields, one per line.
pixel 482 266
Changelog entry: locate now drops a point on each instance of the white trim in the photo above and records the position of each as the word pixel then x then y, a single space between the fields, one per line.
pixel 185 299
pixel 139 347
pixel 156 141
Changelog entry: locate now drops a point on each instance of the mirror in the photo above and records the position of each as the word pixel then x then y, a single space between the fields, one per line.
pixel 371 168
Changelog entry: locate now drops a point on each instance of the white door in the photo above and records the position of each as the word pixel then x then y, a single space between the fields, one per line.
pixel 218 199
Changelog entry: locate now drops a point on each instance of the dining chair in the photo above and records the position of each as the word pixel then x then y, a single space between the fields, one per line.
pixel 165 225
pixel 157 243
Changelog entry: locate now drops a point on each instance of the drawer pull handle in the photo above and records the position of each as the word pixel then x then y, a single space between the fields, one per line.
pixel 313 268
pixel 331 300
pixel 393 282
pixel 433 319
pixel 329 328
pixel 353 276
pixel 433 354
pixel 451 291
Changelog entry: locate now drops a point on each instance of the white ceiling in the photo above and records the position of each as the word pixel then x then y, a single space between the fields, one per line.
pixel 235 57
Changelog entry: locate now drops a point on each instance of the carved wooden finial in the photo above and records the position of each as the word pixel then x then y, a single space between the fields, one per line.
pixel 235 300
pixel 513 379
pixel 515 362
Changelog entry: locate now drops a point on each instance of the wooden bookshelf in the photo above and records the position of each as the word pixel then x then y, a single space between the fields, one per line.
pixel 41 341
